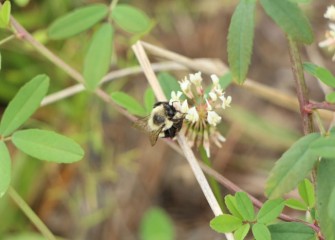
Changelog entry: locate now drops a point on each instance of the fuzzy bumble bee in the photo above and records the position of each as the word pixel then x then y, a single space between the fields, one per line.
pixel 164 121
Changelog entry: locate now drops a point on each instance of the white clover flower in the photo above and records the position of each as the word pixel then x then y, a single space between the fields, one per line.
pixel 192 115
pixel 213 96
pixel 225 101
pixel 209 106
pixel 218 90
pixel 185 85
pixel 184 107
pixel 332 27
pixel 215 79
pixel 175 97
pixel 217 138
pixel 196 79
pixel 330 13
pixel 213 118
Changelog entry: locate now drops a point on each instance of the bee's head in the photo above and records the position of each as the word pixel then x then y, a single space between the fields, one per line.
pixel 170 110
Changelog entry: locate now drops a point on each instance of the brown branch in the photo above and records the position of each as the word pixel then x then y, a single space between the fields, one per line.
pixel 301 87
pixel 320 105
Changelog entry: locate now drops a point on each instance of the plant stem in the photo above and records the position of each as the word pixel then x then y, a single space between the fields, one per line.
pixel 3 41
pixel 22 33
pixel 319 122
pixel 320 105
pixel 31 214
pixel 301 87
pixel 212 182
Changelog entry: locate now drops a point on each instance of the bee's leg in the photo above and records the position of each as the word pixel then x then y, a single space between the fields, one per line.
pixel 170 133
pixel 177 124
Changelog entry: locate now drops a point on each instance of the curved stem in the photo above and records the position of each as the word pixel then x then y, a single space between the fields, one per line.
pixel 31 214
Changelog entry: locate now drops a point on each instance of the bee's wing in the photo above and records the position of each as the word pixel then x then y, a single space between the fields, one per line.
pixel 142 124
pixel 153 135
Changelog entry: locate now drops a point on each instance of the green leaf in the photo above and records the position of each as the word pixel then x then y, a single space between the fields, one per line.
pixel 24 104
pixel 290 18
pixel 98 57
pixel 245 206
pixel 291 231
pixel 149 100
pixel 48 146
pixel 306 192
pixel 270 210
pixel 293 166
pixel 225 223
pixel 5 168
pixel 296 204
pixel 240 39
pixel 168 83
pixel 0 61
pixel 156 224
pixel 231 204
pixel 5 14
pixel 325 197
pixel 131 19
pixel 129 103
pixel 242 232
pixel 330 97
pixel 324 147
pixel 320 73
pixel 77 21
pixel 226 80
pixel 261 232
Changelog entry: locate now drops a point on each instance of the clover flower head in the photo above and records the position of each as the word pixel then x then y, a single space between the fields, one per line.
pixel 201 111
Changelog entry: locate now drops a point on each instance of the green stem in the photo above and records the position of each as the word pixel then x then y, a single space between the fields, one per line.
pixel 212 182
pixel 3 41
pixel 319 122
pixel 301 87
pixel 31 214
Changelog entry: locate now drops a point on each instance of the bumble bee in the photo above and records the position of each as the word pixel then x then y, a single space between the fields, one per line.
pixel 164 121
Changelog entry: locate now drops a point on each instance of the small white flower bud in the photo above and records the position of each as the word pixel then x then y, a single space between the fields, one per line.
pixel 184 107
pixel 330 13
pixel 213 118
pixel 196 78
pixel 215 79
pixel 185 85
pixel 192 115
pixel 225 101
pixel 213 96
